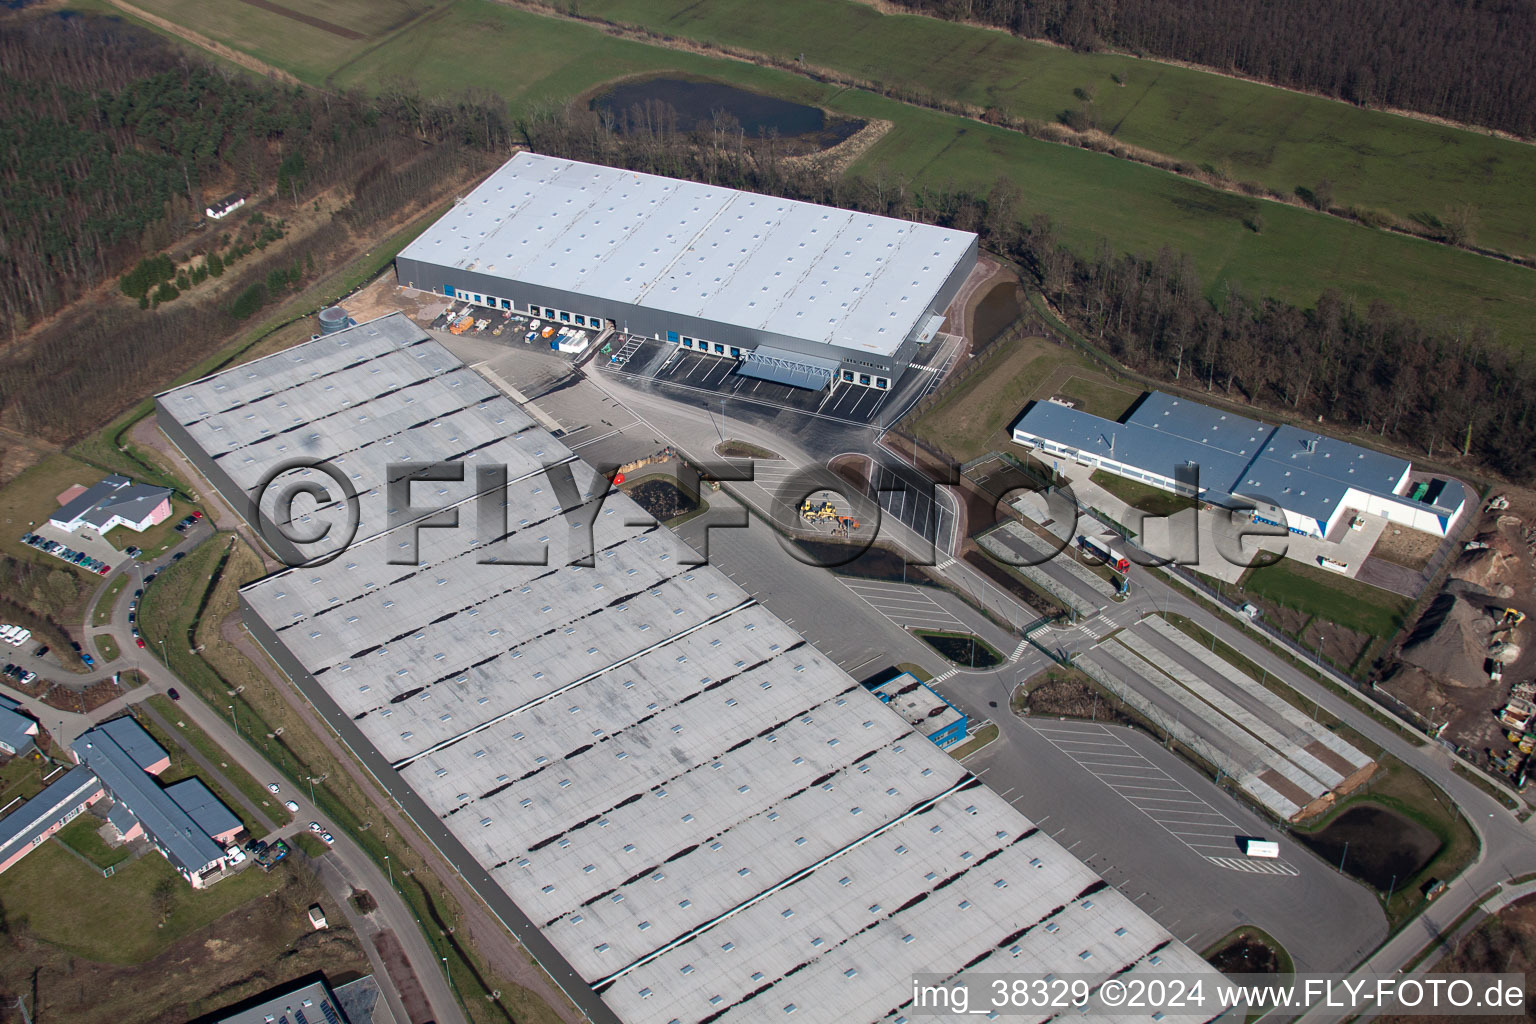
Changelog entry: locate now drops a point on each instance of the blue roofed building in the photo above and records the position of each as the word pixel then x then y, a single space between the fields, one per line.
pixel 115 501
pixel 60 802
pixel 1304 481
pixel 923 708
pixel 124 757
pixel 17 730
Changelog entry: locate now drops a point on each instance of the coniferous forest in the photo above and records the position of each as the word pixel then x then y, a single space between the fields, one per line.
pixel 1466 60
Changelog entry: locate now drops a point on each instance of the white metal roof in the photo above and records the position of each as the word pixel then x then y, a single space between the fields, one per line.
pixel 853 280
pixel 705 815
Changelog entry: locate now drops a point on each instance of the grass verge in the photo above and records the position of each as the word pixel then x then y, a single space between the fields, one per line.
pixel 107 602
pixel 107 646
pixel 1353 605
pixel 980 738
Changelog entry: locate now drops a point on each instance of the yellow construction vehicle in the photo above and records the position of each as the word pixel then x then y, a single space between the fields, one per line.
pixel 822 510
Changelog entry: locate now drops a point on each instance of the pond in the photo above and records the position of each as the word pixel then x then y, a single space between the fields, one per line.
pixel 1381 845
pixel 695 102
pixel 995 313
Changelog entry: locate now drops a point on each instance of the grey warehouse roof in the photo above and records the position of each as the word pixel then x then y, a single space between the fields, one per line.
pixel 703 814
pixel 853 280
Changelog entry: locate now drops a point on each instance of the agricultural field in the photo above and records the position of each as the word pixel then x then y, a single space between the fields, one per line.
pixel 533 60
pixel 1245 131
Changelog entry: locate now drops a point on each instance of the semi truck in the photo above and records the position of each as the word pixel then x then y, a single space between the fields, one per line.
pixel 1098 549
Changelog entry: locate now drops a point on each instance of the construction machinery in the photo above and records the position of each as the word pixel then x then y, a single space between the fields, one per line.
pixel 817 512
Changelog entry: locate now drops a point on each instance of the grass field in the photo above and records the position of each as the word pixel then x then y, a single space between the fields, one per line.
pixel 1351 604
pixel 978 739
pixel 82 836
pixel 1099 397
pixel 1247 131
pixel 67 903
pixel 532 59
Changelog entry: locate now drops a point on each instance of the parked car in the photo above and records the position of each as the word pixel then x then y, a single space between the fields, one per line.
pixel 90 662
pixel 140 641
pixel 327 838
pixel 138 593
pixel 292 807
pixel 40 651
pixel 196 514
pixel 273 787
pixel 171 693
pixel 314 826
pixel 178 556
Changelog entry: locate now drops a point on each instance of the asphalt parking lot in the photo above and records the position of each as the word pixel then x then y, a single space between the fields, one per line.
pixel 1184 814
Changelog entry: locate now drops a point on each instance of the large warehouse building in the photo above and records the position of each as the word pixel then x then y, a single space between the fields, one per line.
pixel 799 293
pixel 684 810
pixel 1298 479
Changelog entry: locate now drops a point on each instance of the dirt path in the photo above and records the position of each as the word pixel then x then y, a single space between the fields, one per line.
pixel 245 60
pixel 502 953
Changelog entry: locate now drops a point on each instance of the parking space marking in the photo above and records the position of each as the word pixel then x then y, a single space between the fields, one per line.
pixel 904 606
pixel 1192 820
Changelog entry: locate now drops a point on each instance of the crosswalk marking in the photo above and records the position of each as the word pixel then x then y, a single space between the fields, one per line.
pixel 1255 867
pixel 942 676
pixel 944 564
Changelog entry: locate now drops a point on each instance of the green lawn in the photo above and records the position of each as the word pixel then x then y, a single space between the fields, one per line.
pixel 117 919
pixel 22 777
pixel 107 647
pixel 1154 501
pixel 83 836
pixel 1110 401
pixel 108 600
pixel 1351 604
pixel 532 59
pixel 1247 131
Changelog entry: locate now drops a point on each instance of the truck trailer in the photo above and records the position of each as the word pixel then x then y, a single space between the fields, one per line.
pixel 1265 848
pixel 1110 557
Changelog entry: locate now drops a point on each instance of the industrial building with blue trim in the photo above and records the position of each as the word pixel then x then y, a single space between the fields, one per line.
pixel 1298 479
pixel 805 295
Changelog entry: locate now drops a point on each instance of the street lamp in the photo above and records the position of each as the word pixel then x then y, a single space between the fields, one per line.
pixel 233 720
pixel 390 868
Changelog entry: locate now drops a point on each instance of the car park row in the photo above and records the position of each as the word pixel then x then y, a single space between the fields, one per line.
pixel 69 555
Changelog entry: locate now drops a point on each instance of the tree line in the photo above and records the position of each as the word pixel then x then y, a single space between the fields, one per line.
pixel 117 141
pixel 99 91
pixel 1467 60
pixel 1446 389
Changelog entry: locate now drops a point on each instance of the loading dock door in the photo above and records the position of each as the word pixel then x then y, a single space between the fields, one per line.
pixel 790 368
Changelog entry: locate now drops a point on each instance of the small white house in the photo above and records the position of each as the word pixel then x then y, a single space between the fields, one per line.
pixel 226 206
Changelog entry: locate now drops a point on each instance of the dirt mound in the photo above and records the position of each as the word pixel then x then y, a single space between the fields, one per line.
pixel 1450 641
pixel 1493 564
